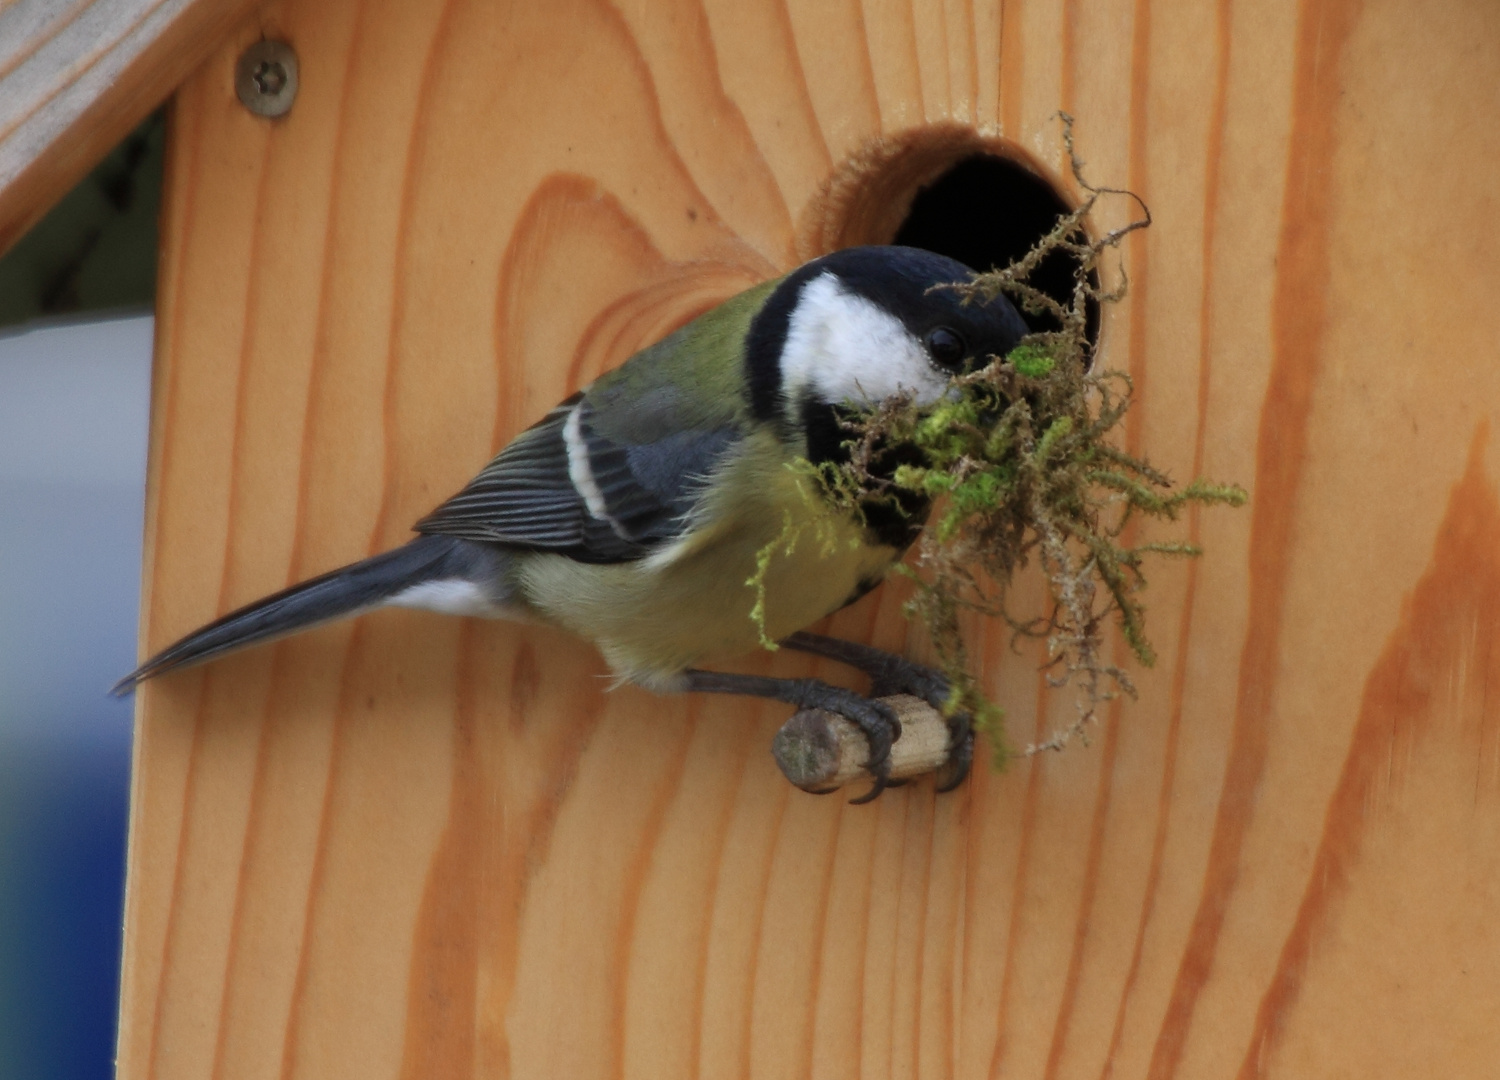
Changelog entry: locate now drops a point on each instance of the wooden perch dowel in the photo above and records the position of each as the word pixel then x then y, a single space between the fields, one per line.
pixel 820 750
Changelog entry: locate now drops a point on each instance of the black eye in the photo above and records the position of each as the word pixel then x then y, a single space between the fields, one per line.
pixel 946 347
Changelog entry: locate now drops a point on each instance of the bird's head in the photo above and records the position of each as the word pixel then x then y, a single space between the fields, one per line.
pixel 857 326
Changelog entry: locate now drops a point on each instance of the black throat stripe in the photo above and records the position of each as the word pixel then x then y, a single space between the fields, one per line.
pixel 763 345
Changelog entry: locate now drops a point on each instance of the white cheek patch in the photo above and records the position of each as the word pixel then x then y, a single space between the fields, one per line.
pixel 847 349
pixel 452 597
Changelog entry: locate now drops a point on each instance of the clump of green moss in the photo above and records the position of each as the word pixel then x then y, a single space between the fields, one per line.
pixel 1022 463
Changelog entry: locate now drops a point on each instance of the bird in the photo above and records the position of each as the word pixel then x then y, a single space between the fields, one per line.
pixel 635 512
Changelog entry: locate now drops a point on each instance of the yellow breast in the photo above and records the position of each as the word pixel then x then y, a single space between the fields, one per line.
pixel 764 531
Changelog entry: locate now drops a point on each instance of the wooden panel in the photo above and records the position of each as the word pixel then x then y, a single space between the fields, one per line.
pixel 422 847
pixel 77 75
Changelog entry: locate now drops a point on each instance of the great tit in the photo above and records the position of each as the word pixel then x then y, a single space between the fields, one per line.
pixel 633 514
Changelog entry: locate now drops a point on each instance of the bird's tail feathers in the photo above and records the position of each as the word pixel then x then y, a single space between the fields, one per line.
pixel 439 565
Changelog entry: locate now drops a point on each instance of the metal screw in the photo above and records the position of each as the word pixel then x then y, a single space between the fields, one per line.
pixel 265 78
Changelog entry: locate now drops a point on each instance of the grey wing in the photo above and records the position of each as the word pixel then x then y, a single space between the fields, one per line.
pixel 563 486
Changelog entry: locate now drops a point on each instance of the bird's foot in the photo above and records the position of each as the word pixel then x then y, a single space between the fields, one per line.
pixel 876 720
pixel 891 674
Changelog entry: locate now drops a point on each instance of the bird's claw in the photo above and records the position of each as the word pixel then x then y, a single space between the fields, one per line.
pixel 876 720
pixel 898 675
pixel 960 752
pixel 902 676
pixel 881 730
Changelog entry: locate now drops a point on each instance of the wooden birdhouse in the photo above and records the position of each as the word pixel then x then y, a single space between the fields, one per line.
pixel 410 846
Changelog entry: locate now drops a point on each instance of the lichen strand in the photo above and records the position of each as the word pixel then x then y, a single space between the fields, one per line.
pixel 1021 463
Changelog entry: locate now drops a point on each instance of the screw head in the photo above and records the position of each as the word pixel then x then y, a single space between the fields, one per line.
pixel 265 78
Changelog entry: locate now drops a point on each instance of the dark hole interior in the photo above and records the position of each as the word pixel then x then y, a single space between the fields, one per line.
pixel 986 212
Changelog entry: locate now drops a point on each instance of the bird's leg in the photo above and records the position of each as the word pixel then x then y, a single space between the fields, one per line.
pixel 874 718
pixel 889 673
pixel 892 674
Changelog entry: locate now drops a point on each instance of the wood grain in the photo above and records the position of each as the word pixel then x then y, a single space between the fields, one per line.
pixel 77 75
pixel 411 846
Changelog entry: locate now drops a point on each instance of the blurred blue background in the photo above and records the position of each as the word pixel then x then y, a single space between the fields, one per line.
pixel 75 357
pixel 73 424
